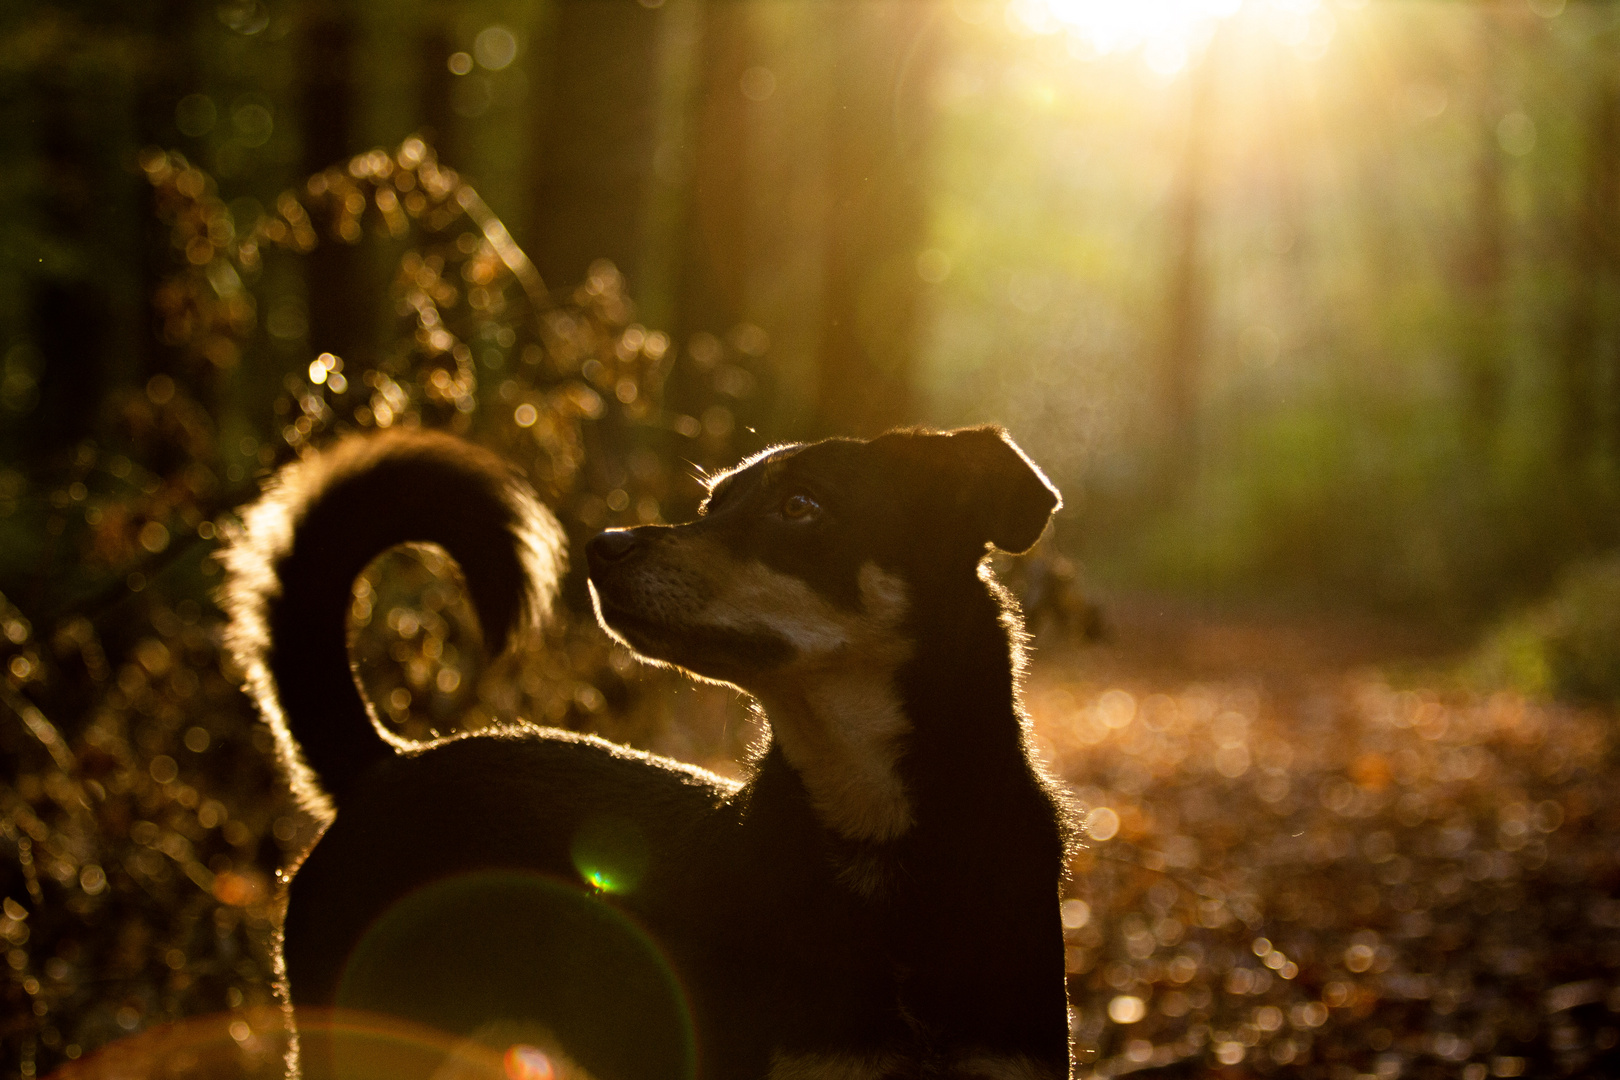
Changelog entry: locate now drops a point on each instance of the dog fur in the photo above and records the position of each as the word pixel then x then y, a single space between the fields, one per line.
pixel 878 901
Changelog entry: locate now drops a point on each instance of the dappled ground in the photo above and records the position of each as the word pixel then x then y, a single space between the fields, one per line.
pixel 1302 866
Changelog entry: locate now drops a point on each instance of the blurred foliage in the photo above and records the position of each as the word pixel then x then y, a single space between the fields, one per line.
pixel 143 825
pixel 1567 645
pixel 1342 880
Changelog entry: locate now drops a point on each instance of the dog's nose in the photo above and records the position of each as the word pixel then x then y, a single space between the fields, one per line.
pixel 612 546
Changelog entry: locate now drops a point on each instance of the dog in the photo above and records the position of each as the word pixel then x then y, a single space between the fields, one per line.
pixel 879 900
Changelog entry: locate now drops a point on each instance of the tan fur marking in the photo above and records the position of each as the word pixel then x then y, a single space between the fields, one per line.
pixel 842 733
pixel 754 597
pixel 833 708
pixel 837 716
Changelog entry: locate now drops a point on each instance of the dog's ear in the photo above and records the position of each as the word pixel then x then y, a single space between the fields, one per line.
pixel 995 493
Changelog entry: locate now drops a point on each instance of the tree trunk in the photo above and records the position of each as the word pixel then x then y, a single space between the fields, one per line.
pixel 341 316
pixel 1592 250
pixel 884 59
pixel 714 260
pixel 1181 367
pixel 1483 259
pixel 437 121
pixel 591 158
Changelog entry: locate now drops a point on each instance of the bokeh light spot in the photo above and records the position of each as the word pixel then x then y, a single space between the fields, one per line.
pixel 495 47
pixel 758 83
pixel 1076 914
pixel 195 115
pixel 253 122
pixel 1126 1009
pixel 1102 824
pixel 1116 708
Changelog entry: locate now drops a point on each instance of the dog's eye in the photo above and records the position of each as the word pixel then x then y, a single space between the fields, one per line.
pixel 800 507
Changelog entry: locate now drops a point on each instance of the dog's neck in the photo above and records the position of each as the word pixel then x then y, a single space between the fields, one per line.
pixel 843 731
pixel 874 732
pixel 963 680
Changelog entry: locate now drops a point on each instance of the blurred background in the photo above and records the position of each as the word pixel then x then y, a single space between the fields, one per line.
pixel 1310 307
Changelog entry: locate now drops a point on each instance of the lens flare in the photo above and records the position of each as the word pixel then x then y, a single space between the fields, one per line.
pixel 610 854
pixel 524 1062
pixel 560 966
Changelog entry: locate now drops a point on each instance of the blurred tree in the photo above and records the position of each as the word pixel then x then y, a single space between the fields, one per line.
pixel 591 155
pixel 1187 304
pixel 1592 330
pixel 715 261
pixel 885 57
pixel 1482 256
pixel 438 121
pixel 71 321
pixel 715 257
pixel 341 303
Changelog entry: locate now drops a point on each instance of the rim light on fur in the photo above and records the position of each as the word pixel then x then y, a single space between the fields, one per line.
pixel 254 549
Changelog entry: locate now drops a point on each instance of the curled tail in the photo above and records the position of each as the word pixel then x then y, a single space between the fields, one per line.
pixel 292 564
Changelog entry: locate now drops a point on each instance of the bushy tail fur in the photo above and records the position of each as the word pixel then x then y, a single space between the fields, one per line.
pixel 292 564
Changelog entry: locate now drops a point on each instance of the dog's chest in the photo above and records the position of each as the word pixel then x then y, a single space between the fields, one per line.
pixel 844 735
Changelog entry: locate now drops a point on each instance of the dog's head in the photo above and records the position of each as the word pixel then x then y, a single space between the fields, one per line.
pixel 813 553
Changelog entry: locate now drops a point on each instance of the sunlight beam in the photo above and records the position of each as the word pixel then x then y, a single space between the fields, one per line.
pixel 1167 33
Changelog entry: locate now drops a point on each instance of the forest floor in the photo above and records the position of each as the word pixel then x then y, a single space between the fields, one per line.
pixel 1153 637
pixel 1312 851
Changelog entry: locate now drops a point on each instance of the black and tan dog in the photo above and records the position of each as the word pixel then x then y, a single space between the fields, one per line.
pixel 879 901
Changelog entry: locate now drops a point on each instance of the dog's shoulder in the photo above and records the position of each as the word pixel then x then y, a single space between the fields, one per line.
pixel 520 797
pixel 522 761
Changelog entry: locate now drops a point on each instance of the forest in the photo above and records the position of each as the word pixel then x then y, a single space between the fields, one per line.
pixel 1311 308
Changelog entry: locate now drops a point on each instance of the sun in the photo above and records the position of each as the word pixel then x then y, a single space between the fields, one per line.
pixel 1166 32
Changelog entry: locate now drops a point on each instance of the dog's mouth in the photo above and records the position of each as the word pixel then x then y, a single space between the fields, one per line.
pixel 711 652
pixel 628 622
